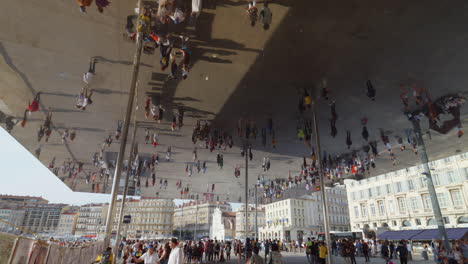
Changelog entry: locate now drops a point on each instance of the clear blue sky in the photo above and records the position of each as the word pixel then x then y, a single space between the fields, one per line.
pixel 22 174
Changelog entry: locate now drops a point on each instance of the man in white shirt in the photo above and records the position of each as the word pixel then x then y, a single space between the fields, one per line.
pixel 176 254
pixel 148 258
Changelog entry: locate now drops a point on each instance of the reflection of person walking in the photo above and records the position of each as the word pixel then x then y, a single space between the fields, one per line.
pixel 348 139
pixel 370 90
pixel 266 16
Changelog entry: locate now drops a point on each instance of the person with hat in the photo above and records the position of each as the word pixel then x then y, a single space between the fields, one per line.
pixel 149 257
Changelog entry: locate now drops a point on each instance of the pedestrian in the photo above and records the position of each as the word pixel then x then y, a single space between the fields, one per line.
pixel 348 139
pixel 385 251
pixel 176 255
pixel 424 253
pixel 275 255
pixel 150 257
pixel 392 249
pixel 100 4
pixel 34 105
pixel 105 257
pixel 89 75
pixel 253 12
pixel 83 4
pixel 256 259
pixel 322 253
pixel 402 251
pixel 118 131
pixel 266 16
pixel 365 251
pixel 370 90
pixel 365 133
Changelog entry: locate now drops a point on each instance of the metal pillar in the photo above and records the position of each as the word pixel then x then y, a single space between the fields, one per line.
pixel 246 190
pixel 322 187
pixel 196 223
pixel 127 176
pixel 256 213
pixel 430 184
pixel 123 143
pixel 180 226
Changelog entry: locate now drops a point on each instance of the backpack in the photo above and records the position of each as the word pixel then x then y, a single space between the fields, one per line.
pixel 105 257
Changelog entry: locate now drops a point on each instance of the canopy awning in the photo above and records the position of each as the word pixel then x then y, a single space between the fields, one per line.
pixel 426 234
pixel 452 234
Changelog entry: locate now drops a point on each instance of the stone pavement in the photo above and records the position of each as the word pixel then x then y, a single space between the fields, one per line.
pixel 300 258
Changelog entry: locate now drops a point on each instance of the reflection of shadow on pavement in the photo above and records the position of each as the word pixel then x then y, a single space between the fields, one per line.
pixel 108 91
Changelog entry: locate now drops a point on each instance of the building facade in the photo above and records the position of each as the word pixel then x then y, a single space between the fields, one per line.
pixel 91 220
pixel 14 216
pixel 67 224
pixel 240 221
pixel 338 212
pixel 400 200
pixel 223 225
pixel 21 201
pixel 196 217
pixel 42 218
pixel 150 218
pixel 298 219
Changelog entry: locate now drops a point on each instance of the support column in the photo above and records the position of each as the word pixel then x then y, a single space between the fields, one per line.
pixel 246 217
pixel 127 176
pixel 322 186
pixel 430 184
pixel 123 143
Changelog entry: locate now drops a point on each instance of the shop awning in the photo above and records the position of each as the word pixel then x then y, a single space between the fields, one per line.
pixel 452 234
pixel 426 234
pixel 399 235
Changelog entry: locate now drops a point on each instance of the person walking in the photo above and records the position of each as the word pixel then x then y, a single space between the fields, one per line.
pixel 402 253
pixel 275 255
pixel 392 249
pixel 266 16
pixel 370 90
pixel 322 253
pixel 365 251
pixel 384 251
pixel 267 247
pixel 176 255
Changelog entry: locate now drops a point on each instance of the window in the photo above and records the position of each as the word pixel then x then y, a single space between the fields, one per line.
pixel 377 190
pixel 448 160
pixel 427 204
pixel 370 192
pixel 372 209
pixel 399 187
pixel 464 156
pixel 381 207
pixel 465 172
pixel 402 204
pixel 361 194
pixel 422 182
pixel 446 220
pixel 353 196
pixel 394 223
pixel 389 188
pixel 414 203
pixel 410 185
pixel 363 210
pixel 356 211
pixel 406 223
pixel 391 206
pixel 456 198
pixel 435 178
pixel 418 221
pixel 451 177
pixel 443 201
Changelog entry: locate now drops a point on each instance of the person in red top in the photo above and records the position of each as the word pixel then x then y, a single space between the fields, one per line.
pixel 34 105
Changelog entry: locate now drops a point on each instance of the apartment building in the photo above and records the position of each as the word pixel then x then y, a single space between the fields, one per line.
pixel 151 218
pixel 67 224
pixel 240 221
pixel 400 200
pixel 298 219
pixel 42 218
pixel 91 219
pixel 196 217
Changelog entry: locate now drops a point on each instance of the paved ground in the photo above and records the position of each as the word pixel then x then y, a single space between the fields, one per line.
pixel 300 258
pixel 238 71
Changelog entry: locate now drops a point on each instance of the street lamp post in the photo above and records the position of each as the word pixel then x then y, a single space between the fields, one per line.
pixel 123 143
pixel 430 184
pixel 322 187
